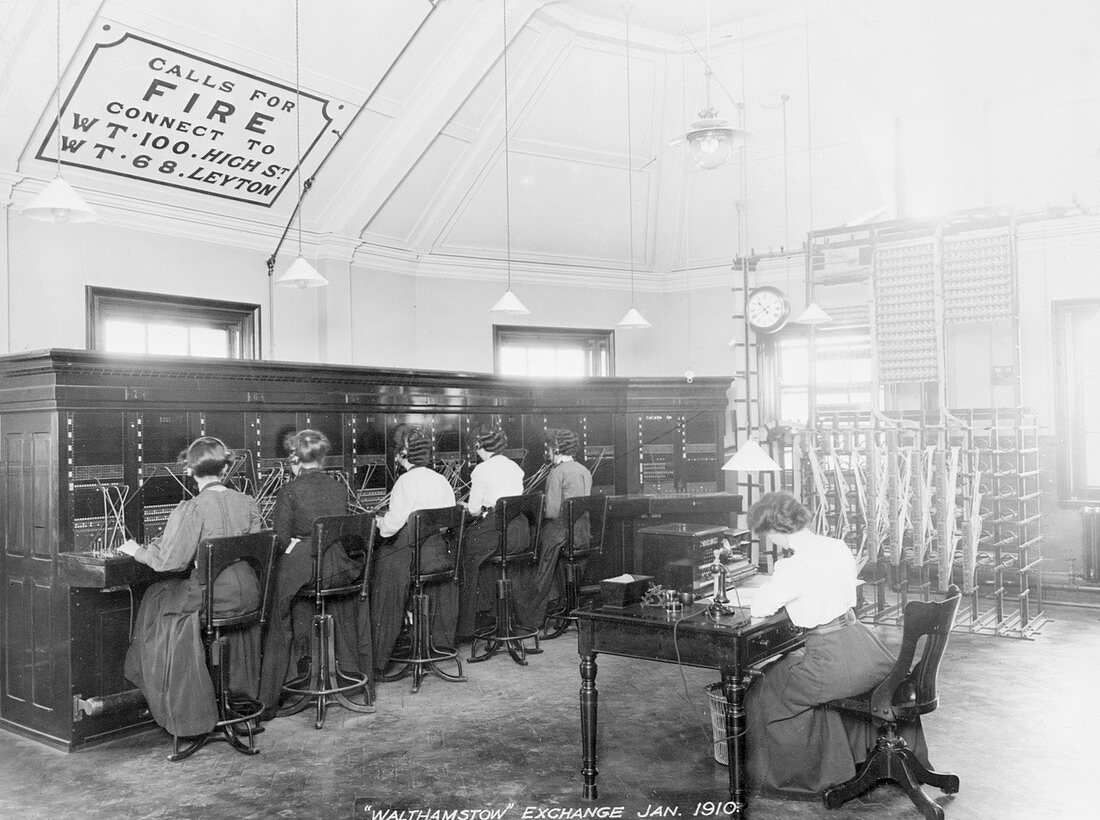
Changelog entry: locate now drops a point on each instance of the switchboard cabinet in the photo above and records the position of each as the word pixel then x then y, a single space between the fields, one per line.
pixel 90 457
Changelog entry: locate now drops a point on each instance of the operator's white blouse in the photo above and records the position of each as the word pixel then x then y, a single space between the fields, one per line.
pixel 492 479
pixel 816 584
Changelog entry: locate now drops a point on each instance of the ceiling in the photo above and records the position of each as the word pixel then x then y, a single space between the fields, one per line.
pixel 402 121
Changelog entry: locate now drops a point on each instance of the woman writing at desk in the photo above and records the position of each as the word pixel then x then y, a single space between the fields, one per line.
pixel 166 659
pixel 795 745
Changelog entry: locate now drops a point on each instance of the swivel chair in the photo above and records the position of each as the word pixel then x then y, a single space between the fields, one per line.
pixel 326 682
pixel 573 554
pixel 507 632
pixel 437 556
pixel 238 716
pixel 908 692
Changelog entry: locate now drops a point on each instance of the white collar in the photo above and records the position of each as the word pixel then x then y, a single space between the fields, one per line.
pixel 801 538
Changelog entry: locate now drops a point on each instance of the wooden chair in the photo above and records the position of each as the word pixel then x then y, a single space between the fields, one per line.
pixel 437 554
pixel 574 554
pixel 907 692
pixel 237 716
pixel 326 682
pixel 507 632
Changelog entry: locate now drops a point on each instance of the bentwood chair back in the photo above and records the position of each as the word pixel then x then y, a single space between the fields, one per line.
pixel 519 521
pixel 326 682
pixel 909 691
pixel 586 524
pixel 438 537
pixel 237 715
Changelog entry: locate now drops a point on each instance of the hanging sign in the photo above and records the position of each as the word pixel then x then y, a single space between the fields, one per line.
pixel 145 110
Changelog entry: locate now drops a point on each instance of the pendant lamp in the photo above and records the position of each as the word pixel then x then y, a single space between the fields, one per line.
pixel 300 274
pixel 711 140
pixel 632 319
pixel 813 315
pixel 751 458
pixel 58 202
pixel 508 304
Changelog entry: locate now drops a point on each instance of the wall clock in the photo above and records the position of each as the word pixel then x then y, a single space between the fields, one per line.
pixel 767 309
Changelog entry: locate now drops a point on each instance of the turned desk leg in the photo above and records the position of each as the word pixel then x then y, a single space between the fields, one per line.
pixel 588 725
pixel 736 728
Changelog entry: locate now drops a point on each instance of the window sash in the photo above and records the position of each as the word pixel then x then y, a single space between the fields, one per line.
pixel 155 312
pixel 555 346
pixel 839 379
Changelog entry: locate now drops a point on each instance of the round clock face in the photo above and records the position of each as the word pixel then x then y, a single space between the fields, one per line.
pixel 767 309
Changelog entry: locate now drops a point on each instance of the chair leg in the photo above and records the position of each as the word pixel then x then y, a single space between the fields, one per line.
pixel 434 654
pixel 569 600
pixel 324 672
pixel 192 747
pixel 327 683
pixel 945 782
pixel 232 714
pixel 424 656
pixel 904 777
pixel 891 760
pixel 311 681
pixel 875 768
pixel 507 633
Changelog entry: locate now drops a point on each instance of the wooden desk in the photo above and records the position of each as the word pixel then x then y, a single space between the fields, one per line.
pixel 647 633
pixel 86 569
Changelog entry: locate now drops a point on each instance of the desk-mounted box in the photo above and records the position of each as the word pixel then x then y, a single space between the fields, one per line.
pixel 621 593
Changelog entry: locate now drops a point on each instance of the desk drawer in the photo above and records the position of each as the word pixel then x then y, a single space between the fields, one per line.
pixel 780 637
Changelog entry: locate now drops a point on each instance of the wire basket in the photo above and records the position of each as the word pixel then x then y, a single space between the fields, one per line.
pixel 718 709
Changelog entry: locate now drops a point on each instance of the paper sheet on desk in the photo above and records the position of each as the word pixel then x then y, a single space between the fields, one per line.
pixel 129 548
pixel 742 596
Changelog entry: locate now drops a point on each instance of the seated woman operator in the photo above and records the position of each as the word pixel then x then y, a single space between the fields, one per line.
pixel 494 477
pixel 311 494
pixel 568 478
pixel 419 487
pixel 796 746
pixel 166 659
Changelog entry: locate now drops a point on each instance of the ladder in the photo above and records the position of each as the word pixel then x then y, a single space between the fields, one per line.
pixel 745 416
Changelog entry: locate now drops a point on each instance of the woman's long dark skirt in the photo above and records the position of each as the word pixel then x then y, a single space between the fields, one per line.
pixel 796 746
pixel 167 660
pixel 291 619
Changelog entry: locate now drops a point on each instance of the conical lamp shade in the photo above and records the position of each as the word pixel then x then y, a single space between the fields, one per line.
pixel 813 315
pixel 633 320
pixel 509 304
pixel 301 274
pixel 58 202
pixel 751 458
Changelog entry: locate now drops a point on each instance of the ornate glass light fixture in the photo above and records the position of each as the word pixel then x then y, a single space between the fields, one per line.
pixel 710 139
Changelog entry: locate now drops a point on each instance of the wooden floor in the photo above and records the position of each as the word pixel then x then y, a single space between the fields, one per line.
pixel 1018 722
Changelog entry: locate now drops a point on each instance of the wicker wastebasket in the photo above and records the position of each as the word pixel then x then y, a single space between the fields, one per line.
pixel 718 708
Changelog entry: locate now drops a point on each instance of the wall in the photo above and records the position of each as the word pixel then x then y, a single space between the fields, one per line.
pixel 368 315
pixel 49 265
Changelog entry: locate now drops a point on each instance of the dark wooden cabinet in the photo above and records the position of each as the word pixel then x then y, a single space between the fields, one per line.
pixel 89 457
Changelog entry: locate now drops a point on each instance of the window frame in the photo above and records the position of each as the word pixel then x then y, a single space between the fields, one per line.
pixel 241 319
pixel 1071 458
pixel 812 338
pixel 600 340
